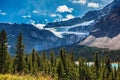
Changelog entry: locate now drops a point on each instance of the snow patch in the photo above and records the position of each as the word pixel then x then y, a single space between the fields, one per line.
pixel 60 31
pixel 39 26
pixel 54 31
pixel 87 23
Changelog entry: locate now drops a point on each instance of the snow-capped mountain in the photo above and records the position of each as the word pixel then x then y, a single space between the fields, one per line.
pixel 99 27
pixel 54 34
pixel 106 29
pixel 40 38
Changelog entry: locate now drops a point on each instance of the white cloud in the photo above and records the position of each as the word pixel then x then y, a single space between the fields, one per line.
pixel 93 5
pixel 2 13
pixel 26 16
pixel 53 15
pixel 69 16
pixel 64 8
pixel 79 1
pixel 35 11
pixel 32 22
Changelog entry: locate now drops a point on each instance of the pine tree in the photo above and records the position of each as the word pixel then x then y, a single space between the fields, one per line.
pixel 38 62
pixel 27 63
pixel 52 58
pixel 44 62
pixel 96 61
pixel 34 61
pixel 5 60
pixel 118 72
pixel 115 73
pixel 72 57
pixel 20 57
pixel 108 64
pixel 30 64
pixel 52 63
pixel 96 64
pixel 81 71
pixel 63 58
pixel 60 70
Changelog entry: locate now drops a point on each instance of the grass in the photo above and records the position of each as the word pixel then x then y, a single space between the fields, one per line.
pixel 24 77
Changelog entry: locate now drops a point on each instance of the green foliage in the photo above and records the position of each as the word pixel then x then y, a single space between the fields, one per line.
pixel 5 61
pixel 20 57
pixel 62 67
pixel 34 61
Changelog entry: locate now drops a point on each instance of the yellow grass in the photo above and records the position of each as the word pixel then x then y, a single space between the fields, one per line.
pixel 25 77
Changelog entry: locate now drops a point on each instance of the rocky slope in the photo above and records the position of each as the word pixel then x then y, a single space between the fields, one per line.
pixel 106 30
pixel 40 39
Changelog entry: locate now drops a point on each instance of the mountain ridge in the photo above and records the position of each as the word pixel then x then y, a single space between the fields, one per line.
pixel 106 30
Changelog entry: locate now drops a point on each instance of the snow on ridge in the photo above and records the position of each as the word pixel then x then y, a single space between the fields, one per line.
pixel 87 23
pixel 53 30
pixel 39 26
pixel 60 34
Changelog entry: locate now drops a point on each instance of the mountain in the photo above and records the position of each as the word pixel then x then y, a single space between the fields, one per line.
pixel 99 28
pixel 52 35
pixel 33 37
pixel 40 39
pixel 106 29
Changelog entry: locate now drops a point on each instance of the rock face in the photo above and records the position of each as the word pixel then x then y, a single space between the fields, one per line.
pixel 106 30
pixel 102 42
pixel 32 36
pixel 40 39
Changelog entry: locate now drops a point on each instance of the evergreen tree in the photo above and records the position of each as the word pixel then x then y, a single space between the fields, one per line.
pixel 60 70
pixel 72 57
pixel 52 63
pixel 44 62
pixel 96 64
pixel 83 73
pixel 20 57
pixel 34 61
pixel 52 58
pixel 108 64
pixel 63 58
pixel 27 63
pixel 38 62
pixel 5 60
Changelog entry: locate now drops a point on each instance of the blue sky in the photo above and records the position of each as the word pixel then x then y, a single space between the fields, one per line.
pixel 44 11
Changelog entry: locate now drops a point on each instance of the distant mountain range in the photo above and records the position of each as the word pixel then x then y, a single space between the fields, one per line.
pixel 40 39
pixel 98 28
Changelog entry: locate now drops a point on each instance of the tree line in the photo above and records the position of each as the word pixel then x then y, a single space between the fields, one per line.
pixel 61 67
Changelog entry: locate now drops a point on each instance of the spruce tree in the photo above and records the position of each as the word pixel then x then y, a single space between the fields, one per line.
pixel 5 60
pixel 60 70
pixel 20 57
pixel 27 63
pixel 38 62
pixel 52 58
pixel 96 64
pixel 108 64
pixel 34 61
pixel 63 58
pixel 44 62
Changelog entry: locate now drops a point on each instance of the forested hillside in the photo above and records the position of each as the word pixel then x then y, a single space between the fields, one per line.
pixel 61 67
